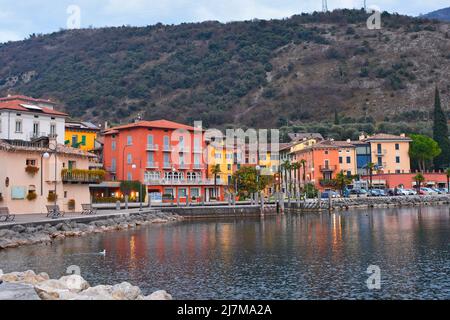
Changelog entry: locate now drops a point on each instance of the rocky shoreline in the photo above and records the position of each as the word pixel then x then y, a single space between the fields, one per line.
pixel 19 235
pixel 31 286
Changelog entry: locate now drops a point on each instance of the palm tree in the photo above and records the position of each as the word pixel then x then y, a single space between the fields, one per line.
pixel 286 165
pixel 419 178
pixel 303 163
pixel 448 179
pixel 370 168
pixel 295 166
pixel 342 181
pixel 216 171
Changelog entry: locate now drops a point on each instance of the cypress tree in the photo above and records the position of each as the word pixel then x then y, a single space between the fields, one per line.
pixel 440 134
pixel 336 117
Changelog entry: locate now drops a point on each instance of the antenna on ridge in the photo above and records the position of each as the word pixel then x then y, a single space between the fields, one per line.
pixel 324 6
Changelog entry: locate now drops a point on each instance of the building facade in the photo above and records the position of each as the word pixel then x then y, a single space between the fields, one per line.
pixel 28 176
pixel 82 135
pixel 25 118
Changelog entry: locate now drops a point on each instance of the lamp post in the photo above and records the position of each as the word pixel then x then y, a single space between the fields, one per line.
pixel 52 146
pixel 258 171
pixel 173 184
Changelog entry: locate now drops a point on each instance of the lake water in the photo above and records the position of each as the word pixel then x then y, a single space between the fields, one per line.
pixel 286 257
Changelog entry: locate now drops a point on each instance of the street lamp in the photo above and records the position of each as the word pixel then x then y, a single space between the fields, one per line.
pixel 258 171
pixel 134 167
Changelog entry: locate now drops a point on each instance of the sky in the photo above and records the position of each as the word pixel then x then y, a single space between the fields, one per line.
pixel 20 18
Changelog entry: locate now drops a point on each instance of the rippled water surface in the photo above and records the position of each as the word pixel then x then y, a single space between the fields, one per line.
pixel 291 257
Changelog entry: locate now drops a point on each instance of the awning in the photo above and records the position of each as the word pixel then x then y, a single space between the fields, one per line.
pixel 106 184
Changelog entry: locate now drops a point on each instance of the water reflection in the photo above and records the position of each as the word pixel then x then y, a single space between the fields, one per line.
pixel 293 257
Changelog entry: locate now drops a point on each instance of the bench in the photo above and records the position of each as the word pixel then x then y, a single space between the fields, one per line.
pixel 88 209
pixel 54 212
pixel 5 216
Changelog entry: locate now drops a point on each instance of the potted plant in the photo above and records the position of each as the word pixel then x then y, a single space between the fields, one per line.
pixel 52 197
pixel 31 169
pixel 31 196
pixel 71 204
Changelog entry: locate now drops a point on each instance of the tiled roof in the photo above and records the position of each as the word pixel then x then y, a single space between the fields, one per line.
pixel 162 124
pixel 17 103
pixel 81 125
pixel 284 146
pixel 25 98
pixel 330 144
pixel 61 149
pixel 385 136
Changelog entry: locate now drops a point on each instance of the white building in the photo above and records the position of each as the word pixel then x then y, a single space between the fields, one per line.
pixel 25 118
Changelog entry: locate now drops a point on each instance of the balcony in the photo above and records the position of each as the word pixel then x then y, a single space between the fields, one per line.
pixel 184 166
pixel 198 166
pixel 327 183
pixel 328 168
pixel 380 153
pixel 111 169
pixel 152 147
pixel 167 165
pixel 169 182
pixel 151 165
pixel 167 148
pixel 82 176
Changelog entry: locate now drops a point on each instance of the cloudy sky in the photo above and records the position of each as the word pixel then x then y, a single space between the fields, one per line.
pixel 20 18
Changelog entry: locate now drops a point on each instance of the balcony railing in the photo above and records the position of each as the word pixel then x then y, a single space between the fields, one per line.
pixel 83 176
pixel 167 165
pixel 111 169
pixel 380 152
pixel 198 166
pixel 328 168
pixel 152 147
pixel 167 148
pixel 151 165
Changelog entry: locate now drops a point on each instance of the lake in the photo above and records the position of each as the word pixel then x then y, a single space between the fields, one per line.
pixel 307 256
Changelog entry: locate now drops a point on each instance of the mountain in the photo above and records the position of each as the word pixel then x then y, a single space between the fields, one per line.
pixel 253 73
pixel 442 14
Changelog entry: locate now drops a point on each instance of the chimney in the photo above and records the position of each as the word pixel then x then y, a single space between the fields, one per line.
pixel 348 140
pixel 106 125
pixel 403 135
pixel 362 136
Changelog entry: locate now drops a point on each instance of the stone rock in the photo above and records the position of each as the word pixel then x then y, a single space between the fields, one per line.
pixel 125 291
pixel 101 292
pixel 75 283
pixel 159 295
pixel 17 291
pixel 18 228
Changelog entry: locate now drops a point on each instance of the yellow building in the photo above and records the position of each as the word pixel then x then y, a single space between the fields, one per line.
pixel 224 158
pixel 390 152
pixel 81 135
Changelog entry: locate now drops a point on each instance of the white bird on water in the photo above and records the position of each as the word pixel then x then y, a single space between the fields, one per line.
pixel 103 253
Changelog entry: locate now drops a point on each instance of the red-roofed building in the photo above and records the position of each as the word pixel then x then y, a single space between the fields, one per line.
pixel 26 118
pixel 168 157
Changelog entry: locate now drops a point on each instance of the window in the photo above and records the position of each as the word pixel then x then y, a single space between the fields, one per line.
pixel 397 159
pixel 166 160
pixel 129 176
pixel 72 165
pixel 83 140
pixel 349 174
pixel 195 192
pixel 340 160
pixel 31 162
pixel 52 129
pixel 229 167
pixel 65 194
pixel 129 158
pixel 397 146
pixel 130 140
pixel 349 160
pixel 380 161
pixel 182 192
pixel 379 148
pixel 74 141
pixel 113 146
pixel 18 126
pixel 151 159
pixel 166 142
pixel 326 151
pixel 113 164
pixel 150 140
pixel 197 159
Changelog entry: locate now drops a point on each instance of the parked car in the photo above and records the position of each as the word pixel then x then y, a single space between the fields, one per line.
pixel 411 192
pixel 374 193
pixel 329 194
pixel 403 192
pixel 443 190
pixel 358 192
pixel 437 190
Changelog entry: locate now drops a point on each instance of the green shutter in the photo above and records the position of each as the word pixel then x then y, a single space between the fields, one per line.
pixel 83 140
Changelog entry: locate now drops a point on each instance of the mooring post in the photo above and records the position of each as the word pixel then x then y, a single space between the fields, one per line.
pixel 319 201
pixel 262 204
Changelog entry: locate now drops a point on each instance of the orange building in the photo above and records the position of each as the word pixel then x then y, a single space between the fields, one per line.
pixel 170 158
pixel 325 159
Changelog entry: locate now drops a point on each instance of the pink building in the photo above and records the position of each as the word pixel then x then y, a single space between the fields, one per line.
pixel 27 176
pixel 406 180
